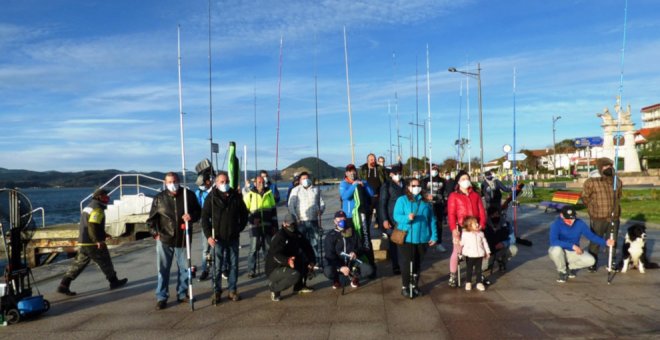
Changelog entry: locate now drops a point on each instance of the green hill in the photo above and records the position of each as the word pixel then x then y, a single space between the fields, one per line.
pixel 16 178
pixel 309 164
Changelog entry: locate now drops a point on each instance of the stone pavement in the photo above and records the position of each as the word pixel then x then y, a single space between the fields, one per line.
pixel 523 302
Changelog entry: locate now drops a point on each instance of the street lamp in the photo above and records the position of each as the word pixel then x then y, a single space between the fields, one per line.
pixel 554 145
pixel 481 129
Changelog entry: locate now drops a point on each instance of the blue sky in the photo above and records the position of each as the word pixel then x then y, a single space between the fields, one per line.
pixel 93 84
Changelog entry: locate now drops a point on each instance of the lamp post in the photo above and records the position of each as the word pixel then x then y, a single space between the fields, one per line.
pixel 481 130
pixel 554 145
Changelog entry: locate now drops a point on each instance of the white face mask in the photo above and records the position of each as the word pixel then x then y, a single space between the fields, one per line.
pixel 434 173
pixel 172 187
pixel 266 181
pixel 222 187
pixel 306 182
pixel 396 178
pixel 465 184
pixel 202 188
pixel 416 190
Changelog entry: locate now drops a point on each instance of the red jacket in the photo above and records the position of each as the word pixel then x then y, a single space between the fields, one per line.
pixel 460 206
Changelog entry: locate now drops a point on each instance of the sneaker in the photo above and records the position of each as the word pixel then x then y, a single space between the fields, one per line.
pixel 225 275
pixel 468 286
pixel 233 295
pixel 65 290
pixel 275 296
pixel 216 298
pixel 118 283
pixel 416 292
pixel 304 290
pixel 355 282
pixel 336 284
pixel 252 275
pixel 485 280
pixel 440 248
pixel 203 276
pixel 162 304
pixel 562 277
pixel 481 287
pixel 593 268
pixel 571 274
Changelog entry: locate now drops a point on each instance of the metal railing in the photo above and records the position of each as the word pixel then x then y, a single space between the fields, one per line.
pixel 122 185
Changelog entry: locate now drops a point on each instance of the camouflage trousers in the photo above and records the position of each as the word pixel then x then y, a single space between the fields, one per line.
pixel 91 253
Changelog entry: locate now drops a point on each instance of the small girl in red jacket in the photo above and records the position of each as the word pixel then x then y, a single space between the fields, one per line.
pixel 474 248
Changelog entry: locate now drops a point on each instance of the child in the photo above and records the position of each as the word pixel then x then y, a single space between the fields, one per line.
pixel 475 248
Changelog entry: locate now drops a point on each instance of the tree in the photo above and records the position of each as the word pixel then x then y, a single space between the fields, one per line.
pixel 448 165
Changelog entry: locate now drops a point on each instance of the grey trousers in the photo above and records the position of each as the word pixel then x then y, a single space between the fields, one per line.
pixel 562 257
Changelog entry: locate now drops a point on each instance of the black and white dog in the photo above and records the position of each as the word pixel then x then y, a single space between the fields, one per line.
pixel 634 250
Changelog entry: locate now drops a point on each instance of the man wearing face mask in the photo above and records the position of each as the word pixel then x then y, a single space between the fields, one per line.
pixel 435 187
pixel 389 193
pixel 289 259
pixel 166 223
pixel 598 195
pixel 223 218
pixel 269 184
pixel 343 250
pixel 260 201
pixel 491 190
pixel 375 175
pixel 91 240
pixel 202 191
pixel 356 195
pixel 306 206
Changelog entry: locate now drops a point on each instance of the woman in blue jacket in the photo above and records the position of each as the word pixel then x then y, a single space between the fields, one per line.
pixel 414 216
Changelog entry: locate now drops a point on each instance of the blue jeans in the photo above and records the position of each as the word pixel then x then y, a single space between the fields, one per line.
pixel 222 249
pixel 164 256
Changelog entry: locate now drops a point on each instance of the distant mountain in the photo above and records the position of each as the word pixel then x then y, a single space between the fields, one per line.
pixel 12 178
pixel 309 164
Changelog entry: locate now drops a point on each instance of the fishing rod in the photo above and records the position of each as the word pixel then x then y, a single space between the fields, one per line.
pixel 513 192
pixel 610 258
pixel 183 171
pixel 211 259
pixel 316 110
pixel 255 125
pixel 348 93
pixel 396 108
pixel 459 141
pixel 428 100
pixel 279 91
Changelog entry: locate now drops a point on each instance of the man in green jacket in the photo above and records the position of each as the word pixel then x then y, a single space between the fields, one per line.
pixel 91 240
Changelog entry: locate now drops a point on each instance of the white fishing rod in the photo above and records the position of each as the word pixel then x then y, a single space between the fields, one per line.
pixel 348 93
pixel 610 257
pixel 279 91
pixel 428 103
pixel 183 171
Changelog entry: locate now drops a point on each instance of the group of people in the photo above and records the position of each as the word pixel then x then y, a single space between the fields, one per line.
pixel 372 196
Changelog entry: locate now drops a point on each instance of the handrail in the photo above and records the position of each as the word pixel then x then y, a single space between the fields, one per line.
pixel 122 185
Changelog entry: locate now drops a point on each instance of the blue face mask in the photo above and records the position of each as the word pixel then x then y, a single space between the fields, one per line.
pixel 490 178
pixel 341 224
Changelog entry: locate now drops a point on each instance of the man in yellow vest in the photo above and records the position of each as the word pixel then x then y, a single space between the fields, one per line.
pixel 260 201
pixel 91 240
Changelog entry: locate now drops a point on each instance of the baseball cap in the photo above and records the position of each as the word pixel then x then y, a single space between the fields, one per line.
pixel 568 212
pixel 339 214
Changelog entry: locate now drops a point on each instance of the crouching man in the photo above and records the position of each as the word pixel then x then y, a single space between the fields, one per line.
pixel 565 250
pixel 343 248
pixel 290 257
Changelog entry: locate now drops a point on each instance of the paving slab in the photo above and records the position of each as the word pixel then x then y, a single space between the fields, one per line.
pixel 525 301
